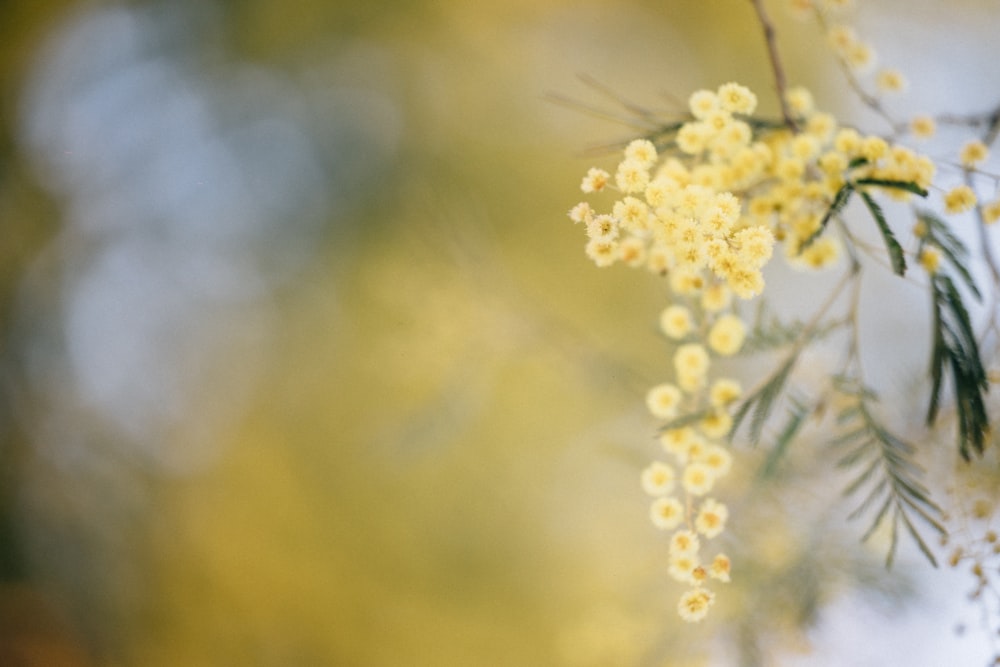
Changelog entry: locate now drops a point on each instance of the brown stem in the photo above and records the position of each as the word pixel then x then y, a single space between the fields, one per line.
pixel 776 68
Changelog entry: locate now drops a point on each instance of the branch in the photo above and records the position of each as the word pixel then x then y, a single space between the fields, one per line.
pixel 776 68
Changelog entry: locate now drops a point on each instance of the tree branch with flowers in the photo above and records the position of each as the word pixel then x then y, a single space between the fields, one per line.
pixel 703 201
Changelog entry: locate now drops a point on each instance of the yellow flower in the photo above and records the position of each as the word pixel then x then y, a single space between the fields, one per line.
pixel 991 212
pixel 582 212
pixel 697 479
pixel 799 100
pixel 923 127
pixel 973 153
pixel 666 512
pixel 930 259
pixel 737 99
pixel 717 459
pixel 678 441
pixel 959 199
pixel 702 103
pixel 642 151
pixel 727 334
pixel 658 479
pixel 663 401
pixel 716 425
pixel 684 543
pixel 724 391
pixel 691 358
pixel 632 251
pixel 602 228
pixel 716 297
pixel 719 569
pixel 711 518
pixel 682 568
pixel 595 180
pixel 890 81
pixel 632 214
pixel 602 251
pixel 676 322
pixel 632 176
pixel 693 605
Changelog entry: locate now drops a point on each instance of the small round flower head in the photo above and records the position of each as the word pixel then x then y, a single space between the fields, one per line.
pixel 717 458
pixel 659 190
pixel 930 259
pixel 719 569
pixel 602 228
pixel 821 126
pixel 693 138
pixel 724 391
pixel 663 401
pixel 860 56
pixel 697 479
pixel 799 100
pixel 874 148
pixel 890 81
pixel 676 322
pixel 632 213
pixel 642 151
pixel 684 280
pixel 746 283
pixel 959 199
pixel 991 212
pixel 805 146
pixel 632 251
pixel 702 103
pixel 923 127
pixel 678 441
pixel 737 99
pixel 716 424
pixel 602 251
pixel 659 258
pixel 726 335
pixel 595 180
pixel 691 358
pixel 658 479
pixel 847 141
pixel 841 37
pixel 711 519
pixel 822 253
pixel 582 212
pixel 973 154
pixel 693 605
pixel 716 297
pixel 666 512
pixel 682 568
pixel 756 245
pixel 632 176
pixel 684 543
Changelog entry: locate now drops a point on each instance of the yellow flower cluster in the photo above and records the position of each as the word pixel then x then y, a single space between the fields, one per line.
pixel 711 211
pixel 706 210
pixel 681 488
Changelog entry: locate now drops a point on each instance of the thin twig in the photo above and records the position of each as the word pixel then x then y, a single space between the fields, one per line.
pixel 776 68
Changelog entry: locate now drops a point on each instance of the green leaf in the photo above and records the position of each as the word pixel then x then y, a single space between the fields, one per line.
pixel 908 186
pixel 888 475
pixel 891 244
pixel 839 202
pixel 795 421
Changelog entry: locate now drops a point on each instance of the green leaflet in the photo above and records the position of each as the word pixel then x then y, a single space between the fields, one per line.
pixel 891 244
pixel 955 352
pixel 888 477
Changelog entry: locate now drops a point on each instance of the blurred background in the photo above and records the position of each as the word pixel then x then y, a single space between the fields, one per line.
pixel 303 364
